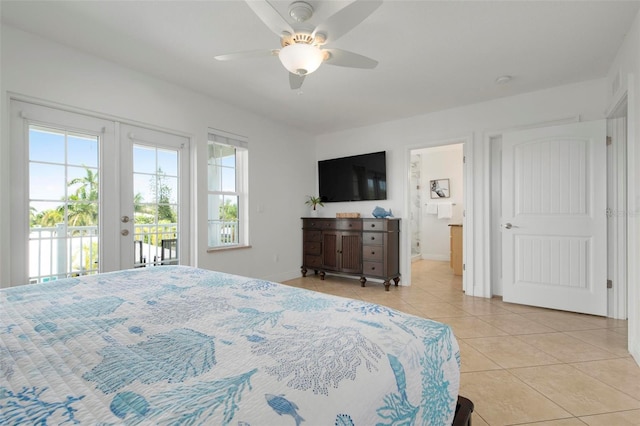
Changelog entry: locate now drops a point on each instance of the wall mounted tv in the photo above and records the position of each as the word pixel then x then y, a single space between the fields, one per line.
pixel 357 178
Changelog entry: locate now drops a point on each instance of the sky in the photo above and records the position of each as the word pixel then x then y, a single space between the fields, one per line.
pixel 47 150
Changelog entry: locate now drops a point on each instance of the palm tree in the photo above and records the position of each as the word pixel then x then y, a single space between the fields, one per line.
pixel 49 218
pixel 82 210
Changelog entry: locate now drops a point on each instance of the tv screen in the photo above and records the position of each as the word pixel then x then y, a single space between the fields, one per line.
pixel 357 178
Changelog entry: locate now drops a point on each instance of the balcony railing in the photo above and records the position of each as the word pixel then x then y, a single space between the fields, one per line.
pixel 62 251
pixel 223 233
pixel 65 251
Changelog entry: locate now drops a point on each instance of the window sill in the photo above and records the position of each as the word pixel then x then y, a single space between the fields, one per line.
pixel 227 248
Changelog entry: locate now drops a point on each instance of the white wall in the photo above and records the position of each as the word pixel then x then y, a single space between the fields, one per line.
pixel 281 160
pixel 624 80
pixel 473 123
pixel 443 162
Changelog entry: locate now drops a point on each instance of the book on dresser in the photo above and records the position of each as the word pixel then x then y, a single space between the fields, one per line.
pixel 369 248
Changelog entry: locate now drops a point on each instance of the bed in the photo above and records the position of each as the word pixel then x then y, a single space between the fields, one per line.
pixel 181 345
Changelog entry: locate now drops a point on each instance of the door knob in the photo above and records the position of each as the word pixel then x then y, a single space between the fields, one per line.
pixel 507 225
pixel 124 219
pixel 124 232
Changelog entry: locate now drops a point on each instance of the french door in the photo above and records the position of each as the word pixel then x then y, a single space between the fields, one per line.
pixel 154 219
pixel 74 181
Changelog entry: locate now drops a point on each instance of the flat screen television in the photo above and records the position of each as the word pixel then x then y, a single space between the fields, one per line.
pixel 356 178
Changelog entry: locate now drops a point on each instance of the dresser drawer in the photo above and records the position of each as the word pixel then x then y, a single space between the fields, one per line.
pixel 372 253
pixel 313 248
pixel 308 223
pixel 312 261
pixel 372 238
pixel 373 269
pixel 348 224
pixel 380 225
pixel 312 236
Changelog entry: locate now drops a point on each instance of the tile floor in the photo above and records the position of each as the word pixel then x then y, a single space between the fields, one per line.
pixel 520 364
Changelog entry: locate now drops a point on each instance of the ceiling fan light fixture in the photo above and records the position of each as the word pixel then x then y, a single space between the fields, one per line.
pixel 301 59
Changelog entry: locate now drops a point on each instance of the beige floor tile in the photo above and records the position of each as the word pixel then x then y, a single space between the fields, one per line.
pixel 605 339
pixel 561 321
pixel 479 306
pixel 516 324
pixel 561 422
pixel 566 348
pixel 604 322
pixel 623 418
pixel 476 420
pixel 622 374
pixel 500 398
pixel 576 392
pixel 439 310
pixel 621 330
pixel 517 309
pixel 468 327
pixel 510 352
pixel 474 360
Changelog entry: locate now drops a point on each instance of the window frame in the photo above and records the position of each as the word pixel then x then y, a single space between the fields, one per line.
pixel 241 147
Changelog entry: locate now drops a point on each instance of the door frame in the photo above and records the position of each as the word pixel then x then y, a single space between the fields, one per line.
pixel 186 256
pixel 467 229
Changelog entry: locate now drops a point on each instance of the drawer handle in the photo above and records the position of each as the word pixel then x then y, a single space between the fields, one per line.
pixel 350 225
pixel 373 225
pixel 373 252
pixel 373 268
pixel 373 238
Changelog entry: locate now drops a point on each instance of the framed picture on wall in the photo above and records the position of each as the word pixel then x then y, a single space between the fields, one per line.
pixel 440 188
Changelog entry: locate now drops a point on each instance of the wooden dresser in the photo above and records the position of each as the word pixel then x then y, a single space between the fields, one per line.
pixel 365 247
pixel 456 248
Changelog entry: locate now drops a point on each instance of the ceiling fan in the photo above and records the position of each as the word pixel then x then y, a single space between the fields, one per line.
pixel 303 50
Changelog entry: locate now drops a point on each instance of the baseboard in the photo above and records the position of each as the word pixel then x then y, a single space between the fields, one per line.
pixel 635 352
pixel 284 276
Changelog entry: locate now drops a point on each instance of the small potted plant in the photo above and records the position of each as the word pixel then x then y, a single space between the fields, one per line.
pixel 314 202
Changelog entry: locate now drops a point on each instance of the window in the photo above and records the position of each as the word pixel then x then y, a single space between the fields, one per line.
pixel 228 191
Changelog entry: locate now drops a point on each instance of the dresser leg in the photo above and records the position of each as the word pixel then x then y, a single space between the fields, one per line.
pixel 362 281
pixel 387 284
pixel 322 274
pixel 396 280
pixel 304 271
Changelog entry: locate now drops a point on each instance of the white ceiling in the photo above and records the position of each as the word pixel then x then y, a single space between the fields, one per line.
pixel 432 55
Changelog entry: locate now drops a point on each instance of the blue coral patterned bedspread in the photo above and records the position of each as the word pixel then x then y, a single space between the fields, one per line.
pixel 181 345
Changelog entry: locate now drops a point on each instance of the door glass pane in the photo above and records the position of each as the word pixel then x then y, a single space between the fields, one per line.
pixel 155 189
pixel 63 204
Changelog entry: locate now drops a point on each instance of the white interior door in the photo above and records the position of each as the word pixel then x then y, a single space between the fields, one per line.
pixel 554 246
pixel 154 218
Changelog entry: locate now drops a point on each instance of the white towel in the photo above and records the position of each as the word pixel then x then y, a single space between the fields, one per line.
pixel 445 210
pixel 432 208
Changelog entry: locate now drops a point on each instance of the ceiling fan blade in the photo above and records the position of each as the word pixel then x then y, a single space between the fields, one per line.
pixel 251 54
pixel 345 58
pixel 271 18
pixel 295 80
pixel 347 19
